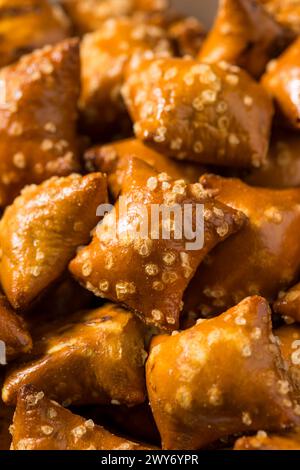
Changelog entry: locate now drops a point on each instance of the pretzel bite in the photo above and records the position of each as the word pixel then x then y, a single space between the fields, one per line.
pixel 246 35
pixel 282 168
pixel 38 97
pixel 288 304
pixel 41 424
pixel 201 112
pixel 114 159
pixel 220 377
pixel 88 15
pixel 138 265
pixel 26 25
pixel 286 12
pixel 104 56
pixel 40 231
pixel 91 357
pixel 281 80
pixel 289 341
pixel 13 332
pixel 263 258
pixel 263 441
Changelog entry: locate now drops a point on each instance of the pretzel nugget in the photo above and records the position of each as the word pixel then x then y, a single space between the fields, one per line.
pixel 40 232
pixel 246 35
pixel 263 441
pixel 289 341
pixel 91 357
pixel 221 377
pixel 281 80
pixel 38 112
pixel 26 25
pixel 288 304
pixel 263 258
pixel 41 424
pixel 114 159
pixel 201 112
pixel 137 265
pixel 104 56
pixel 282 168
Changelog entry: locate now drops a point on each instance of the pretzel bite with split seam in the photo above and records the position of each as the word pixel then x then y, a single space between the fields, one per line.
pixel 104 56
pixel 113 159
pixel 90 357
pixel 38 113
pixel 13 332
pixel 263 258
pixel 42 424
pixel 220 377
pixel 199 112
pixel 246 35
pixel 40 231
pixel 26 25
pixel 143 269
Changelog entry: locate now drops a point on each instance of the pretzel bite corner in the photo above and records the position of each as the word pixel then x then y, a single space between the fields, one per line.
pixel 220 377
pixel 42 424
pixel 148 272
pixel 245 34
pixel 41 230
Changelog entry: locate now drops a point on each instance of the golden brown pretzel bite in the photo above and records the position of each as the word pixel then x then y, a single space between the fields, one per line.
pixel 104 56
pixel 149 273
pixel 263 441
pixel 114 159
pixel 262 259
pixel 88 15
pixel 281 80
pixel 38 99
pixel 41 424
pixel 26 25
pixel 286 12
pixel 201 112
pixel 13 332
pixel 288 303
pixel 40 231
pixel 289 341
pixel 246 35
pixel 282 168
pixel 220 377
pixel 90 357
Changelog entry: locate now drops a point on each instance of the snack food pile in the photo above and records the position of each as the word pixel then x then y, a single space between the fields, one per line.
pixel 141 341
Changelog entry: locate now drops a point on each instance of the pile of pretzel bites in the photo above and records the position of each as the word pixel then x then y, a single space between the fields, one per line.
pixel 140 342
